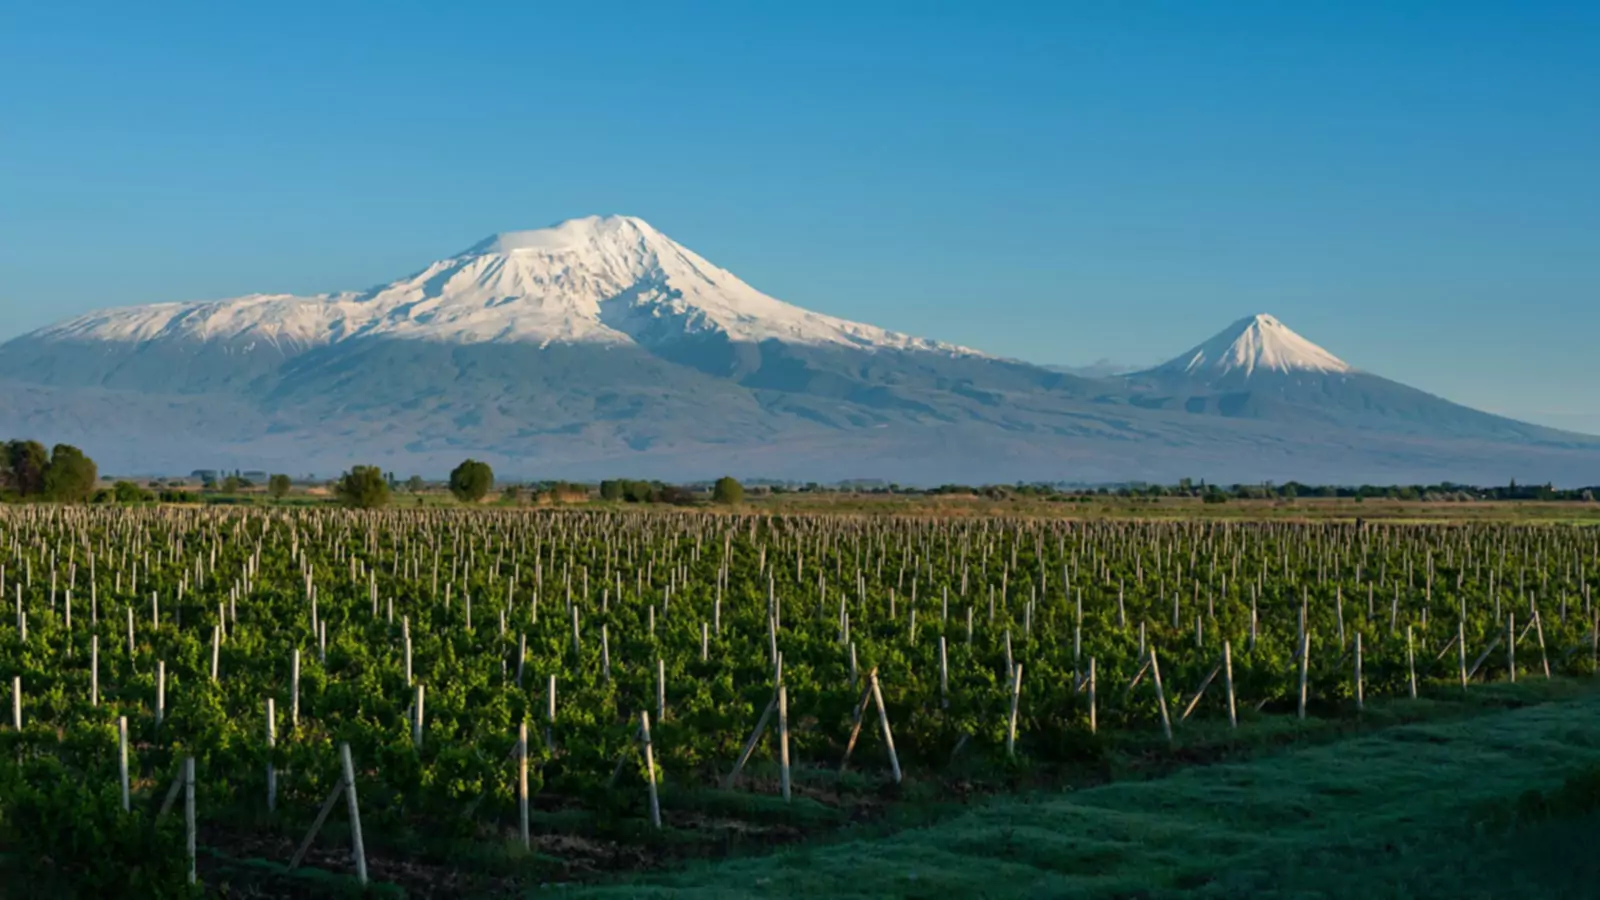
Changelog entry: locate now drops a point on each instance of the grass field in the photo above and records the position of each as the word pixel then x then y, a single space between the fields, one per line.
pixel 1472 805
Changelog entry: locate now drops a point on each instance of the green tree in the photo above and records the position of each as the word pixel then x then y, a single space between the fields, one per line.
pixel 415 484
pixel 128 492
pixel 232 484
pixel 25 466
pixel 471 481
pixel 363 487
pixel 278 486
pixel 611 489
pixel 728 490
pixel 71 477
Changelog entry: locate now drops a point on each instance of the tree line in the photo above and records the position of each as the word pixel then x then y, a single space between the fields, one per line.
pixel 62 474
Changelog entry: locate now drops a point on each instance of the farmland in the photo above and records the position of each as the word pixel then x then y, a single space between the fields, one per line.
pixel 534 695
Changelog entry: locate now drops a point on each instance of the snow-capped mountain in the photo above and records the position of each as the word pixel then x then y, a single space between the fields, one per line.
pixel 1258 343
pixel 600 347
pixel 599 280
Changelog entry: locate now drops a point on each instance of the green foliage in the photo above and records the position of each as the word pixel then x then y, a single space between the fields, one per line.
pixel 72 837
pixel 471 481
pixel 727 490
pixel 363 487
pixel 278 486
pixel 71 476
pixel 415 484
pixel 127 492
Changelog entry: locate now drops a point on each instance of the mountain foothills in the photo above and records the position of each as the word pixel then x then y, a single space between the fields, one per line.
pixel 600 346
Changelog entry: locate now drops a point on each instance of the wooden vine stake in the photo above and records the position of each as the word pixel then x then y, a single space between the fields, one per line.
pixel 1093 725
pixel 1411 664
pixel 650 769
pixel 188 811
pixel 1360 695
pixel 345 787
pixel 1161 695
pixel 755 737
pixel 1305 668
pixel 272 741
pixel 883 722
pixel 783 740
pixel 1011 723
pixel 122 759
pixel 522 784
pixel 1227 678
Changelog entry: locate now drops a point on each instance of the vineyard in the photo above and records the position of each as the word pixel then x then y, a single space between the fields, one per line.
pixel 191 682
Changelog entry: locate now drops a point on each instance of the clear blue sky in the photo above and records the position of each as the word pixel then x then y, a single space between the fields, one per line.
pixel 1416 186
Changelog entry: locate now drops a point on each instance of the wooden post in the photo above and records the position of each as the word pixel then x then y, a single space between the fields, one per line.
pixel 417 719
pixel 1538 629
pixel 188 811
pixel 755 736
pixel 316 824
pixel 550 716
pixel 122 759
pixel 1161 695
pixel 94 670
pixel 522 784
pixel 1305 667
pixel 783 741
pixel 405 632
pixel 294 691
pixel 358 849
pixel 1511 645
pixel 1093 723
pixel 1011 723
pixel 161 691
pixel 1360 695
pixel 1227 678
pixel 661 690
pixel 944 674
pixel 650 769
pixel 130 635
pixel 883 722
pixel 1411 663
pixel 216 649
pixel 1461 646
pixel 272 741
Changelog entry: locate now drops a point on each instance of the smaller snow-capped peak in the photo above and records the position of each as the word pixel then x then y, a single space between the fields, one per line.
pixel 1258 343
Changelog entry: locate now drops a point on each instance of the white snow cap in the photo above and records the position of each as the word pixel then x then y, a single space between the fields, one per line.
pixel 600 279
pixel 1258 343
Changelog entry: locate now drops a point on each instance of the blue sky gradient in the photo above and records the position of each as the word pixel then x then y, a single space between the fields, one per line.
pixel 1412 185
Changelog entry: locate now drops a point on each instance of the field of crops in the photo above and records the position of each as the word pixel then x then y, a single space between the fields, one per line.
pixel 642 651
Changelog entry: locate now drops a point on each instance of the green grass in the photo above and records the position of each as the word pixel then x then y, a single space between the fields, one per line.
pixel 1426 810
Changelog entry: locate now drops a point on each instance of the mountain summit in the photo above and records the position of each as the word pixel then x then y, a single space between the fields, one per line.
pixel 600 280
pixel 600 347
pixel 1254 344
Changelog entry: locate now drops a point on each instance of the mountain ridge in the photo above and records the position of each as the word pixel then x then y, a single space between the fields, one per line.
pixel 600 346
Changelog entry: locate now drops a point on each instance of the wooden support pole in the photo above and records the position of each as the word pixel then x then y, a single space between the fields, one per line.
pixel 358 850
pixel 1093 723
pixel 316 824
pixel 1161 695
pixel 1411 663
pixel 783 741
pixel 1011 723
pixel 122 759
pixel 188 811
pixel 883 722
pixel 1201 691
pixel 1360 694
pixel 417 719
pixel 272 741
pixel 650 769
pixel 1305 667
pixel 1227 678
pixel 522 784
pixel 294 690
pixel 161 691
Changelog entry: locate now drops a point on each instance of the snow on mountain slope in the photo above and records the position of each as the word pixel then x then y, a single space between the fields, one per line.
pixel 1258 343
pixel 608 280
